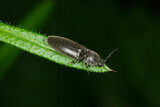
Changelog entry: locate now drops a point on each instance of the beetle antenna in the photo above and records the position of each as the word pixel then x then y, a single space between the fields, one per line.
pixel 110 54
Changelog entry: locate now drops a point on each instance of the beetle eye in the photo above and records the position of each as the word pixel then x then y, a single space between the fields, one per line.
pixel 100 64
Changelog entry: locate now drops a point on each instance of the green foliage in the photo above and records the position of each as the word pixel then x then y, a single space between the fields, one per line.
pixel 8 55
pixel 34 20
pixel 38 16
pixel 36 43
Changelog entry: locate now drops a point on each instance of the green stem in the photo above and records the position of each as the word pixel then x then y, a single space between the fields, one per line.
pixel 36 43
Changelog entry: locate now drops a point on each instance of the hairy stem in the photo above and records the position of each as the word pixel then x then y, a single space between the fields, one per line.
pixel 36 43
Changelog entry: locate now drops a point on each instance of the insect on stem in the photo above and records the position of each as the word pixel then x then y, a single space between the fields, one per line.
pixel 77 51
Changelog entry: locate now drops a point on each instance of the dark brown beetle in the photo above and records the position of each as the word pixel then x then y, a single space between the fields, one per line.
pixel 76 51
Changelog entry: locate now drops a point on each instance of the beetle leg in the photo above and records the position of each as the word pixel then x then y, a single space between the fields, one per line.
pixel 86 66
pixel 74 62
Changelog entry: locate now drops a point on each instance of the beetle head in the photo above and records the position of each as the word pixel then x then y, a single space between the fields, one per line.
pixel 101 63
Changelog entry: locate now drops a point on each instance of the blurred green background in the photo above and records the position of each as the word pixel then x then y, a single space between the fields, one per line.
pixel 27 80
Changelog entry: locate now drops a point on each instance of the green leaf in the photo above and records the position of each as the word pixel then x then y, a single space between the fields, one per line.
pixel 36 43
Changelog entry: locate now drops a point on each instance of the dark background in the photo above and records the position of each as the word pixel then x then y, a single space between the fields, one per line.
pixel 101 25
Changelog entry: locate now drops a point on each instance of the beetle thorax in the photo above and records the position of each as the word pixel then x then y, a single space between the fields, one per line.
pixel 91 58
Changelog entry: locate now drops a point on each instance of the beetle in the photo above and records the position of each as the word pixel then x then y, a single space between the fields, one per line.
pixel 77 51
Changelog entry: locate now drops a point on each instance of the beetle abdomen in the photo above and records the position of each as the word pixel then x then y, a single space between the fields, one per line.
pixel 67 47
